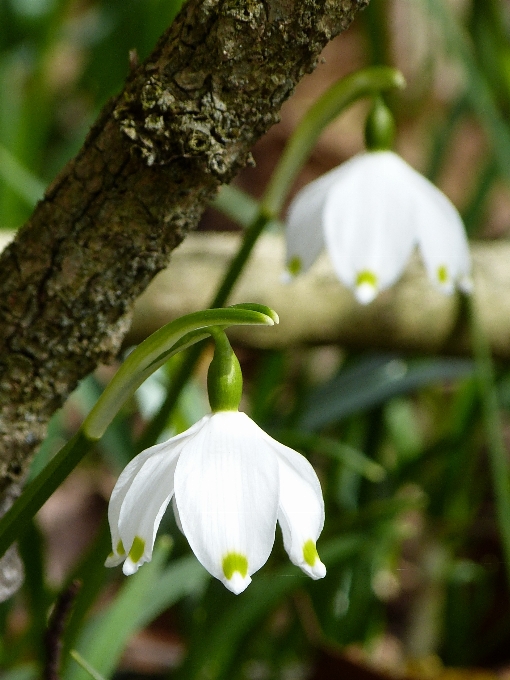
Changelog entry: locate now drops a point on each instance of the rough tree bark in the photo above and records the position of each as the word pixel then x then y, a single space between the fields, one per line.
pixel 183 125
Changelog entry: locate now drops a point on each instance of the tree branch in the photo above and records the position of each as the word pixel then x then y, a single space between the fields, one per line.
pixel 183 125
pixel 412 316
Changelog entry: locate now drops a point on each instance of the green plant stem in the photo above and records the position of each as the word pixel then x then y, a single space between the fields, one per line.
pixel 498 456
pixel 368 81
pixel 155 350
pixel 143 361
pixel 183 374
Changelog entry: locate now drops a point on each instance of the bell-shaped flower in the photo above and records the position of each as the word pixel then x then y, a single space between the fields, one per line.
pixel 230 482
pixel 370 213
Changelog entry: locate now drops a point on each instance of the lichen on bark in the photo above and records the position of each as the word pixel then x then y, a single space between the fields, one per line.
pixel 183 125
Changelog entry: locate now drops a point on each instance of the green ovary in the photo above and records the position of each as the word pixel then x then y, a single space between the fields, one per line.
pixel 120 549
pixel 442 274
pixel 368 277
pixel 233 562
pixel 137 549
pixel 310 553
pixel 295 265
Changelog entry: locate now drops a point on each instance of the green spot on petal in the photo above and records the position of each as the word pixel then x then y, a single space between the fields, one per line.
pixel 295 265
pixel 234 562
pixel 367 277
pixel 137 549
pixel 442 274
pixel 310 553
pixel 120 549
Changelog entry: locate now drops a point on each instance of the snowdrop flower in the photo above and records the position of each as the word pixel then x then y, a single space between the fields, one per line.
pixel 230 483
pixel 370 213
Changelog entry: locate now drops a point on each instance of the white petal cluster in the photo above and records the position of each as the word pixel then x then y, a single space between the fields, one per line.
pixel 230 482
pixel 370 213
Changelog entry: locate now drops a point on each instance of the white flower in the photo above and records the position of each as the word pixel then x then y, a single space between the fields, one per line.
pixel 230 482
pixel 370 213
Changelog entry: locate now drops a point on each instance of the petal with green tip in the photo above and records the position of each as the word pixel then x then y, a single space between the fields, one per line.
pixel 140 497
pixel 368 223
pixel 301 509
pixel 442 239
pixel 226 492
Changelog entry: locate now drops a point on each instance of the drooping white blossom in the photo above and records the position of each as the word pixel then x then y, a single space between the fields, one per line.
pixel 370 213
pixel 230 482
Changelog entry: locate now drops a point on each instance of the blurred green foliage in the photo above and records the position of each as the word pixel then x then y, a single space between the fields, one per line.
pixel 411 542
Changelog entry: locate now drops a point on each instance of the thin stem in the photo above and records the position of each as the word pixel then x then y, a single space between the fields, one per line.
pixel 251 235
pixel 337 98
pixel 155 350
pixel 369 81
pixel 498 457
pixel 160 420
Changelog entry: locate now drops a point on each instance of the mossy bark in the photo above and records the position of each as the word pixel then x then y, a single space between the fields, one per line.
pixel 183 125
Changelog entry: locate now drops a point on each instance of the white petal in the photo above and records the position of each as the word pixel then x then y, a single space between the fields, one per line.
pixel 304 231
pixel 176 514
pixel 140 497
pixel 368 222
pixel 301 511
pixel 116 499
pixel 442 239
pixel 365 292
pixel 226 490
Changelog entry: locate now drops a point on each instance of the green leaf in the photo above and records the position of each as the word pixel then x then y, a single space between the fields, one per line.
pixel 183 577
pixel 13 173
pixel 372 381
pixel 106 635
pixel 85 665
pixel 478 90
pixel 26 671
pixel 351 457
pixel 213 654
pixel 236 204
pixel 92 574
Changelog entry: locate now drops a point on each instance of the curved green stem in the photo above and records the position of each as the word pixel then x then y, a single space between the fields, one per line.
pixel 368 81
pixel 493 427
pixel 342 94
pixel 156 349
pixel 143 361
